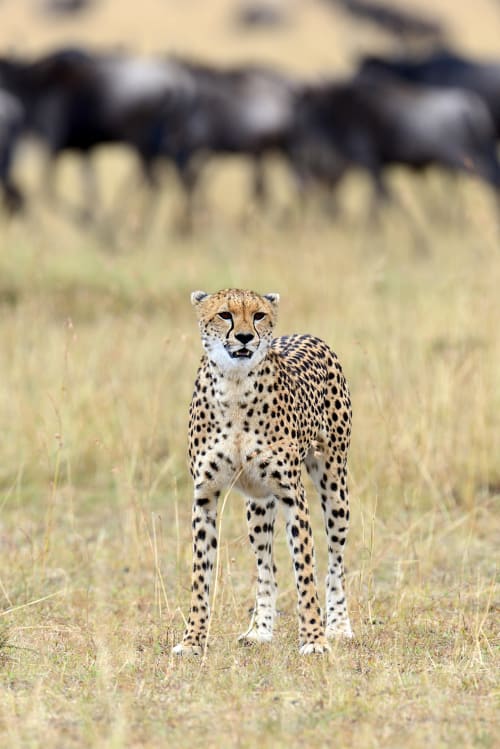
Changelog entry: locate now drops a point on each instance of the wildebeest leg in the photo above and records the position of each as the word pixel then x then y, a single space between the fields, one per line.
pixel 381 195
pixel 83 213
pixel 260 191
pixel 152 199
pixel 189 173
pixel 317 170
pixel 301 185
pixel 12 197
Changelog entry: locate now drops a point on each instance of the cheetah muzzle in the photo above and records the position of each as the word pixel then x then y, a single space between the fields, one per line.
pixel 262 408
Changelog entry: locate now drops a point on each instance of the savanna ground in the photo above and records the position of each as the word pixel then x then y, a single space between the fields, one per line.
pixel 98 352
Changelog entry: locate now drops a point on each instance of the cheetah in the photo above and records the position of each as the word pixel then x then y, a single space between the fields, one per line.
pixel 261 408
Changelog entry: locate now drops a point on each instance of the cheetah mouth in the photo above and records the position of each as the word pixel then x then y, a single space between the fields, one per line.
pixel 241 353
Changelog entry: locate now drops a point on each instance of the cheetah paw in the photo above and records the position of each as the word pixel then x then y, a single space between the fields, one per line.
pixel 314 647
pixel 253 636
pixel 182 649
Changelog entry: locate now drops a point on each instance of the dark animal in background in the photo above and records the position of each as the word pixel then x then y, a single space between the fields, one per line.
pixel 11 121
pixel 164 109
pixel 374 124
pixel 183 113
pixel 247 111
pixel 74 100
pixel 58 105
pixel 441 68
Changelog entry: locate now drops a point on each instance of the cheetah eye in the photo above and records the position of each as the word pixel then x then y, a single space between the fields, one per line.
pixel 226 315
pixel 259 316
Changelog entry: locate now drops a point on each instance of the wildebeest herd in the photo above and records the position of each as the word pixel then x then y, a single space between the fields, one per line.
pixel 442 109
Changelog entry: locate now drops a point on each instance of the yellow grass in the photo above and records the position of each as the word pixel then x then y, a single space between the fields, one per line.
pixel 98 353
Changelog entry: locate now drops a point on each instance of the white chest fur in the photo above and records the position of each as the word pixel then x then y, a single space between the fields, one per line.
pixel 237 447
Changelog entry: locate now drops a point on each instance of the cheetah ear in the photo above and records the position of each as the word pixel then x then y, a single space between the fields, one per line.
pixel 273 298
pixel 197 297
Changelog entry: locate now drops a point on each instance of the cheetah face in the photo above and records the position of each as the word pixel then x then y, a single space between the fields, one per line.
pixel 236 326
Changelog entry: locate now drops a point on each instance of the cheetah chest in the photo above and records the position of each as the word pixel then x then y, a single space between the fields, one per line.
pixel 242 450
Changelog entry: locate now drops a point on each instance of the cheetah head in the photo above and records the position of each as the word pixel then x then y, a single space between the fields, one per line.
pixel 236 326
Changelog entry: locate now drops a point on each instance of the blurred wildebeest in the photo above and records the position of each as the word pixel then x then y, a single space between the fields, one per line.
pixel 247 110
pixel 11 119
pixel 402 24
pixel 442 68
pixel 74 100
pixel 163 108
pixel 372 124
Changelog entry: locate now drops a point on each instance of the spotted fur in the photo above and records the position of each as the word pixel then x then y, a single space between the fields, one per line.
pixel 262 408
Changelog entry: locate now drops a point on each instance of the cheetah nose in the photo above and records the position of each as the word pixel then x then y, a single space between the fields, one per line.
pixel 244 337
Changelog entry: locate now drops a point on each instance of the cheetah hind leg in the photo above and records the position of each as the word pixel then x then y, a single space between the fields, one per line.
pixel 261 515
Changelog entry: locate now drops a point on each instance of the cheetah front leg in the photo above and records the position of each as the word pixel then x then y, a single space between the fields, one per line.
pixel 300 541
pixel 260 517
pixel 204 530
pixel 330 479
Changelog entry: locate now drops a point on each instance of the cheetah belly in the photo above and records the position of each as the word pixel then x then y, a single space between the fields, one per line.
pixel 252 485
pixel 247 457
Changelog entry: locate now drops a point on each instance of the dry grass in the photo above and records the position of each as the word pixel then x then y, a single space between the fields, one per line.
pixel 98 355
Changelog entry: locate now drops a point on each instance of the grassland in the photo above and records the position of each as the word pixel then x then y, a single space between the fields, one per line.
pixel 98 352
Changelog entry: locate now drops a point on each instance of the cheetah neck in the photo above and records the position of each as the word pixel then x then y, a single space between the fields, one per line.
pixel 237 386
